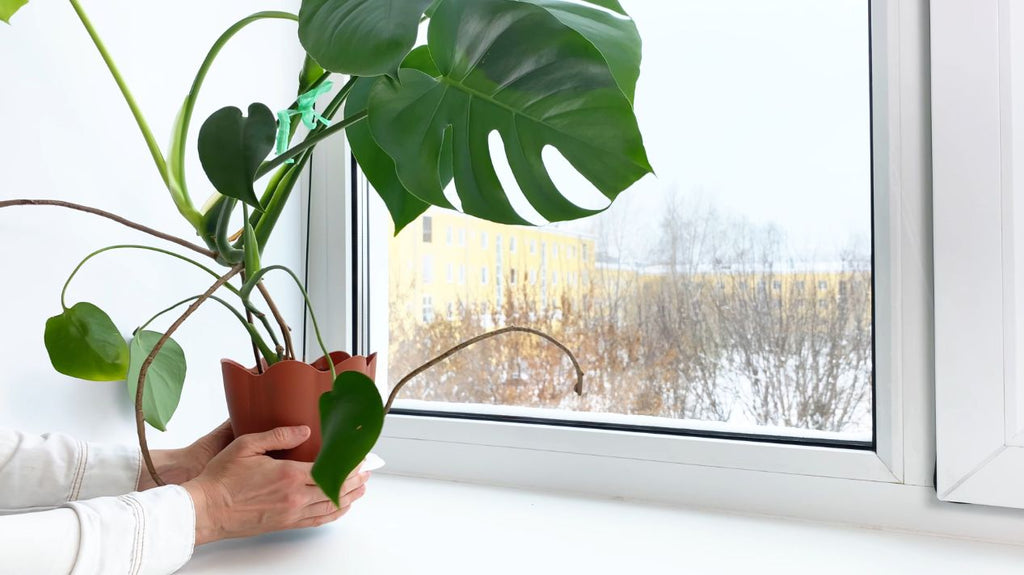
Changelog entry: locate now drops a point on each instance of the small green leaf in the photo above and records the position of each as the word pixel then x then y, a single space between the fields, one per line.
pixel 378 167
pixel 360 37
pixel 83 342
pixel 232 147
pixel 9 7
pixel 351 419
pixel 164 378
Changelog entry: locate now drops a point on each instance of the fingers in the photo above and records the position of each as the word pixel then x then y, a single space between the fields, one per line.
pixel 350 492
pixel 273 440
pixel 322 519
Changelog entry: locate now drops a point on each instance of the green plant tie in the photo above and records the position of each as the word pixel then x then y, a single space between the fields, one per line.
pixel 304 107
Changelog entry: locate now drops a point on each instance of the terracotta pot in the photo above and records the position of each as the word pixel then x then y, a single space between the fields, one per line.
pixel 286 393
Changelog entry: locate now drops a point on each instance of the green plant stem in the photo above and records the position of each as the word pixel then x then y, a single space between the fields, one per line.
pixel 154 148
pixel 270 356
pixel 309 142
pixel 252 282
pixel 140 420
pixel 138 247
pixel 104 214
pixel 190 100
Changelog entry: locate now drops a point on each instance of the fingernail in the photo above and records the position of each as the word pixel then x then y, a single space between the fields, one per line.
pixel 303 430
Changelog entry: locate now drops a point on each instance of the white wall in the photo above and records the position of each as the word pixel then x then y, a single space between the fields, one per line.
pixel 65 133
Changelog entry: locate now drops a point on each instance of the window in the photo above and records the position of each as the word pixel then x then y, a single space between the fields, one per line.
pixel 764 225
pixel 427 274
pixel 779 229
pixel 462 237
pixel 532 277
pixel 448 235
pixel 428 233
pixel 462 273
pixel 533 246
pixel 428 309
pixel 450 273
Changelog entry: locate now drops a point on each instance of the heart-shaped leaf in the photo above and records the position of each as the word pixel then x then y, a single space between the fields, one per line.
pixel 359 37
pixel 164 378
pixel 351 419
pixel 9 7
pixel 562 95
pixel 232 147
pixel 608 27
pixel 83 342
pixel 378 167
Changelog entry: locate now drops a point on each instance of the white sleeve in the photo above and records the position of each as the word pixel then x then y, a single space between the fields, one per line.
pixel 38 472
pixel 147 533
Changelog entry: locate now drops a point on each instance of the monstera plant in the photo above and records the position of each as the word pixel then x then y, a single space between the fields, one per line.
pixel 539 73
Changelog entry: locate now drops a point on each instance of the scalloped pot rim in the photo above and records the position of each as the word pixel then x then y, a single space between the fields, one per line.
pixel 364 364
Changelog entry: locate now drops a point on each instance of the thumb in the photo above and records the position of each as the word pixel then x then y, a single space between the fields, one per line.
pixel 273 440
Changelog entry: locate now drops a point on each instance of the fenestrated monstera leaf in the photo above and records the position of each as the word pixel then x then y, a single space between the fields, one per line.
pixel 511 67
pixel 83 342
pixel 164 378
pixel 232 147
pixel 351 419
pixel 360 37
pixel 609 28
pixel 9 7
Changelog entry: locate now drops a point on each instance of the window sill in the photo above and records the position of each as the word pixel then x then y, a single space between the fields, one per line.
pixel 409 525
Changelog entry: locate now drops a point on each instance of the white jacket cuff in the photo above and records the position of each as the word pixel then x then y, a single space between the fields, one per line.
pixel 109 469
pixel 150 532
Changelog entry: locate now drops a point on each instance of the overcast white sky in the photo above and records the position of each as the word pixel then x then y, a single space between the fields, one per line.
pixel 761 109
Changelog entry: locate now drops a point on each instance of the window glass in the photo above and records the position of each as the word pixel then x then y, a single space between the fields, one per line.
pixel 732 292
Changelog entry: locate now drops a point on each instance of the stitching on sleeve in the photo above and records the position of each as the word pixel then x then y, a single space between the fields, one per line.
pixel 139 539
pixel 78 467
pixel 80 473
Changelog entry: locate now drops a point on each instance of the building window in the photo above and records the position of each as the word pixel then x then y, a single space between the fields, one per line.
pixel 428 269
pixel 822 285
pixel 448 235
pixel 450 273
pixel 462 273
pixel 554 278
pixel 428 232
pixel 462 237
pixel 533 246
pixel 483 240
pixel 483 275
pixel 428 309
pixel 532 276
pixel 512 276
pixel 512 244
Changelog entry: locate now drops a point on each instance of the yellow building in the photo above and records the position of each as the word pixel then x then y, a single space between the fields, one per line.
pixel 445 260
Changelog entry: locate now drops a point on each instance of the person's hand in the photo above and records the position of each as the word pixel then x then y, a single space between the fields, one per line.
pixel 243 492
pixel 176 466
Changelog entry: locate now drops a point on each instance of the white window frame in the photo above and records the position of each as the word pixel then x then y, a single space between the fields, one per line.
pixel 890 487
pixel 978 244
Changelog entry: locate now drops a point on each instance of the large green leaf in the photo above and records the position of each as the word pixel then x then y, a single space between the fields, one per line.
pixel 609 28
pixel 83 342
pixel 232 147
pixel 514 68
pixel 351 419
pixel 359 37
pixel 9 7
pixel 378 167
pixel 164 378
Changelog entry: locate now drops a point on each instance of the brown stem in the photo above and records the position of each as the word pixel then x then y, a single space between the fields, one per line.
pixel 255 348
pixel 285 330
pixel 116 218
pixel 578 388
pixel 140 421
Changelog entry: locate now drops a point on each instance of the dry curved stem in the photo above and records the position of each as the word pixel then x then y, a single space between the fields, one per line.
pixel 140 421
pixel 286 331
pixel 114 217
pixel 578 388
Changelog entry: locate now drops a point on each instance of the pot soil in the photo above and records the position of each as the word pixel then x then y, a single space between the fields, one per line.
pixel 286 393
